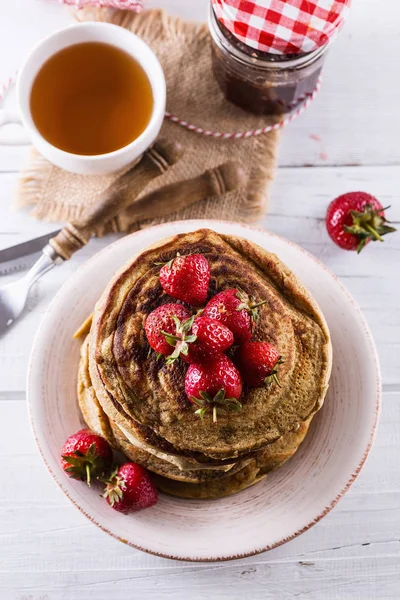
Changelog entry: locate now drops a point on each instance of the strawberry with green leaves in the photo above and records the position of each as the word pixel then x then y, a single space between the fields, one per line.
pixel 130 489
pixel 199 339
pixel 186 278
pixel 355 219
pixel 256 362
pixel 86 456
pixel 234 308
pixel 214 385
pixel 162 323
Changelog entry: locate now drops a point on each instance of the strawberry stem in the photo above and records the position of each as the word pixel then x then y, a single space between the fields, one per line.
pixel 275 378
pixel 88 474
pixel 205 402
pixel 215 413
pixel 272 377
pixel 368 225
pixel 252 306
pixel 252 309
pixel 374 233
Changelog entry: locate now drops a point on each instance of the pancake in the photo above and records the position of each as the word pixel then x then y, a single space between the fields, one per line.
pixel 157 465
pixel 275 455
pixel 271 458
pixel 187 484
pixel 139 392
pixel 211 490
pixel 147 456
pixel 167 464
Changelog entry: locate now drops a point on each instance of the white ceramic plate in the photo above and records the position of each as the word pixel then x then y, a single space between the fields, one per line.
pixel 272 512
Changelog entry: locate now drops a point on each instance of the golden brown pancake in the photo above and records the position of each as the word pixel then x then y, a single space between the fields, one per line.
pixel 139 392
pixel 153 458
pixel 211 490
pixel 271 458
pixel 187 484
pixel 275 455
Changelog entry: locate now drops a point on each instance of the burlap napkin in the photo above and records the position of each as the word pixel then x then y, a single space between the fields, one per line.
pixel 193 95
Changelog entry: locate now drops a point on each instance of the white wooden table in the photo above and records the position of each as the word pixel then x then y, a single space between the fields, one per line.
pixel 48 550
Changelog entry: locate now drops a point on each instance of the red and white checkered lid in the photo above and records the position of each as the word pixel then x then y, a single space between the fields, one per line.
pixel 282 26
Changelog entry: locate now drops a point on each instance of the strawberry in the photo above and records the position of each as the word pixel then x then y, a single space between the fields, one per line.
pixel 186 278
pixel 256 362
pixel 235 310
pixel 355 219
pixel 213 384
pixel 199 339
pixel 86 456
pixel 130 489
pixel 212 339
pixel 164 319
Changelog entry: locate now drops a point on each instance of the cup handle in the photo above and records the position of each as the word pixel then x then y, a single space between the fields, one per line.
pixel 8 117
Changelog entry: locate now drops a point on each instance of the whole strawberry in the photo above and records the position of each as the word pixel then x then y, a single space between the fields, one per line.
pixel 166 319
pixel 130 489
pixel 355 219
pixel 199 339
pixel 256 362
pixel 212 339
pixel 186 278
pixel 234 309
pixel 86 456
pixel 214 384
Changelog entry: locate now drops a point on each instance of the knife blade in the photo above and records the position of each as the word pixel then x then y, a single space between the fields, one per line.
pixel 25 248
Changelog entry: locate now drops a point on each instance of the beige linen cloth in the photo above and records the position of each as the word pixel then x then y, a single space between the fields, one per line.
pixel 184 51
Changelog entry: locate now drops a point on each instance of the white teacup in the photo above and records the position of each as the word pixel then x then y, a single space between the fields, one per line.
pixel 90 32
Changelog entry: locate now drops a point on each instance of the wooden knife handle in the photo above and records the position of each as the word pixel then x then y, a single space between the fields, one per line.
pixel 156 161
pixel 170 198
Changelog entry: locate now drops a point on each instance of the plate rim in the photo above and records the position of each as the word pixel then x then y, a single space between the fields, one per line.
pixel 209 224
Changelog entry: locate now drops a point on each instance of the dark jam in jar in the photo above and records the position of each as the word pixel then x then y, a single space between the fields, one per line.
pixel 259 82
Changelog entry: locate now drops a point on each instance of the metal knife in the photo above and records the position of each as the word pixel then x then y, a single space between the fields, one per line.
pixel 25 248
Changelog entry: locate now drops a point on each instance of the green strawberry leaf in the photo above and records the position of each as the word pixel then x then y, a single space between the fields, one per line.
pixel 187 325
pixel 219 400
pixel 201 412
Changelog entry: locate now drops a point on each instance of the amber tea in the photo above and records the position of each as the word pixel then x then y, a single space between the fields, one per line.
pixel 91 98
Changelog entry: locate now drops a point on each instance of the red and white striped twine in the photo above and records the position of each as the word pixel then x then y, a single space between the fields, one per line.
pixel 308 98
pixel 135 5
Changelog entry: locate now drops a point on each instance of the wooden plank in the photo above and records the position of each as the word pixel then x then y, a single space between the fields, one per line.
pixel 358 539
pixel 355 114
pixel 365 579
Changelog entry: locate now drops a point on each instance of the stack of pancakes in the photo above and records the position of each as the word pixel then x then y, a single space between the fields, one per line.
pixel 137 402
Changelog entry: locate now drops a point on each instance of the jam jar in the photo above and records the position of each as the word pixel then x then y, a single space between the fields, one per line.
pixel 264 83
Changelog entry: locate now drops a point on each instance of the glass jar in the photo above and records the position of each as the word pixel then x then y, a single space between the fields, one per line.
pixel 260 82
